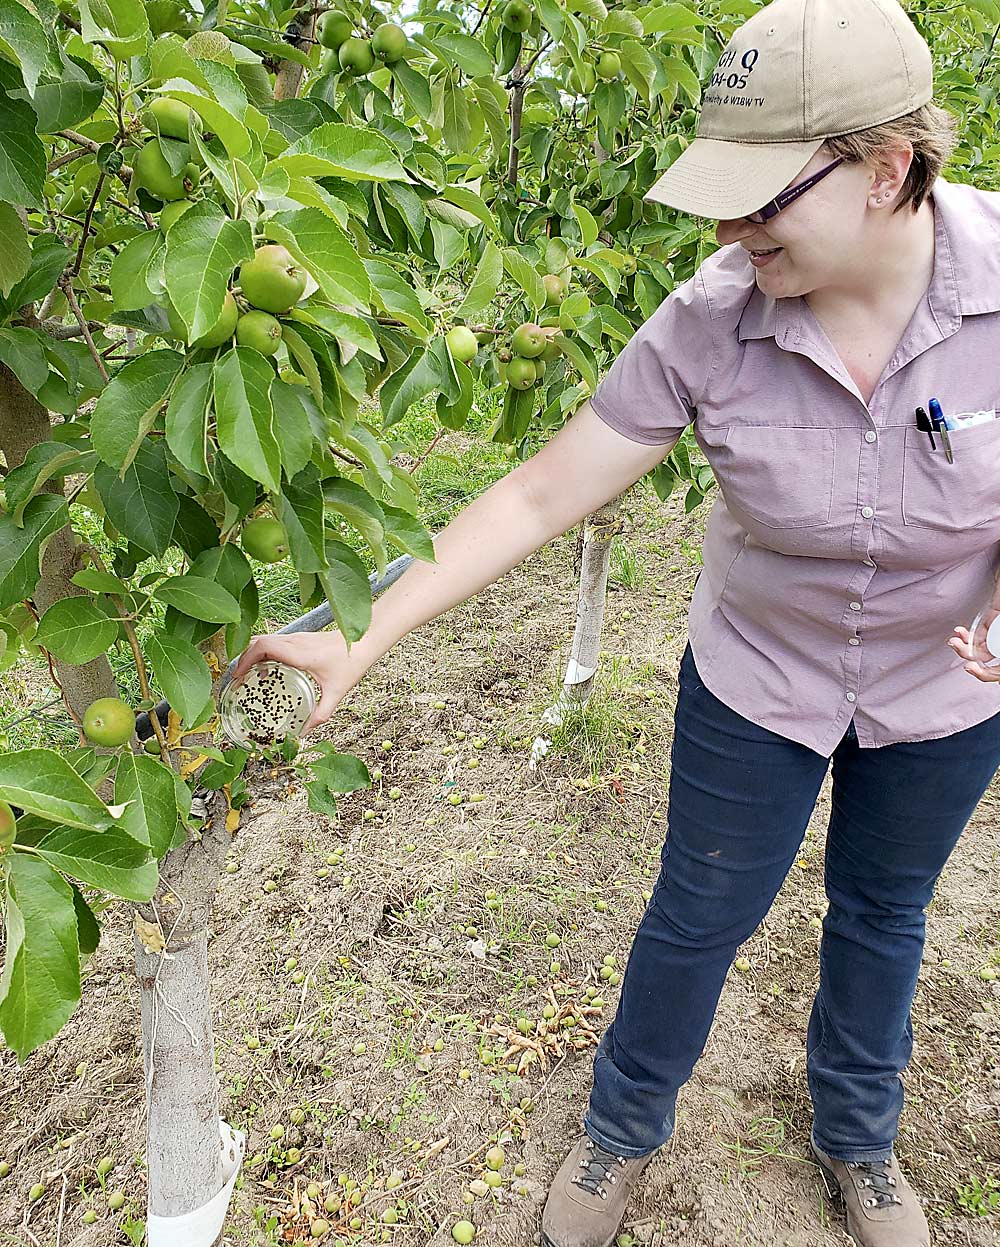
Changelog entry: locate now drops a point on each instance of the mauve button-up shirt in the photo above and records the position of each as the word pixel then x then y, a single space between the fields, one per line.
pixel 841 549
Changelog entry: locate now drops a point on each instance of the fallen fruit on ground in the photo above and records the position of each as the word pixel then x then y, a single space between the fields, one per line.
pixel 319 1227
pixel 265 540
pixel 495 1157
pixel 109 722
pixel 220 332
pixel 528 340
pixel 37 1191
pixel 462 343
pixel 389 43
pixel 463 1232
pixel 154 174
pixel 116 1200
pixel 273 280
pixel 260 331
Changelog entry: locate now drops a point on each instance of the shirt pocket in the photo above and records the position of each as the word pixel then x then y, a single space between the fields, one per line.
pixel 952 497
pixel 781 477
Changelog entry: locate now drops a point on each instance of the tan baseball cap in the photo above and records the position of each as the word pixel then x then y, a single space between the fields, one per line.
pixel 794 74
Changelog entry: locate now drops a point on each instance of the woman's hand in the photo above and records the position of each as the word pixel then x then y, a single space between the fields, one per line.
pixel 323 654
pixel 974 651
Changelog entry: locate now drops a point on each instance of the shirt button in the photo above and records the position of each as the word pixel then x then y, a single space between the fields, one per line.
pixel 870 436
pixel 851 697
pixel 867 512
pixel 855 606
pixel 853 641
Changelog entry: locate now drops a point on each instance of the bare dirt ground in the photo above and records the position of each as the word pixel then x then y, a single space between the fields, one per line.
pixel 380 1048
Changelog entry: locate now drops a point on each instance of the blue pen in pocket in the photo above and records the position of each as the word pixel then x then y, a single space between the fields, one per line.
pixel 940 424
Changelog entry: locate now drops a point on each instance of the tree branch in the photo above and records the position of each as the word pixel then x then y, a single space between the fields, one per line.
pixel 67 158
pixel 66 282
pixel 62 333
pixel 516 105
pixel 74 271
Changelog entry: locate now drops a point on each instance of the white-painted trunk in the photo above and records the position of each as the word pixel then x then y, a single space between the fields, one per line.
pixel 170 942
pixel 182 1097
pixel 599 531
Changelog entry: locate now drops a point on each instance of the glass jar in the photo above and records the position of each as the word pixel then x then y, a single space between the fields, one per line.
pixel 984 636
pixel 270 702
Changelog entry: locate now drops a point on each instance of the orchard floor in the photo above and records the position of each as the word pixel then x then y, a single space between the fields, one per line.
pixel 388 964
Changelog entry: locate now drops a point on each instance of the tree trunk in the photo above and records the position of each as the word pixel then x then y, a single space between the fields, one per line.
pixel 599 531
pixel 302 29
pixel 184 1156
pixel 24 423
pixel 184 1150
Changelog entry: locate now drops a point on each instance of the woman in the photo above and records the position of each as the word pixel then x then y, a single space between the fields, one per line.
pixel 840 551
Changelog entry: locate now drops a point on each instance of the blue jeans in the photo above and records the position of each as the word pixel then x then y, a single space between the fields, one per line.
pixel 739 803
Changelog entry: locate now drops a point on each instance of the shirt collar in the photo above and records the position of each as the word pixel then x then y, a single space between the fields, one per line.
pixel 966 277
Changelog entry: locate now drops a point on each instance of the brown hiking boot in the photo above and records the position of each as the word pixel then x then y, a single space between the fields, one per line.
pixel 882 1210
pixel 587 1198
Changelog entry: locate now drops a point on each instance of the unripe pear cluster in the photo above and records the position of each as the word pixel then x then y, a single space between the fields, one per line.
pixel 523 365
pixel 349 53
pixel 271 283
pixel 606 65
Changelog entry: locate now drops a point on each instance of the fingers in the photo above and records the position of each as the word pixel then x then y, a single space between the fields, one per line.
pixel 961 644
pixel 250 656
pixel 323 712
pixel 267 649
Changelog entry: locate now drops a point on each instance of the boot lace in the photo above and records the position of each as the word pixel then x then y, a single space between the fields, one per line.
pixel 875 1176
pixel 598 1168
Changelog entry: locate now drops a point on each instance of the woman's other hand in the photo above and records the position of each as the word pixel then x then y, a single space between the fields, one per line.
pixel 975 653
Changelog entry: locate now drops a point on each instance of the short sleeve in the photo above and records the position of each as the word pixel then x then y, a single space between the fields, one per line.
pixel 651 391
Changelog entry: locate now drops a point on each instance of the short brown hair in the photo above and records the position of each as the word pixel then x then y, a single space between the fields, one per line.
pixel 933 133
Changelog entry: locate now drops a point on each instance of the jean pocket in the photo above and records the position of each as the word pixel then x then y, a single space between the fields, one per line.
pixel 780 477
pixel 952 497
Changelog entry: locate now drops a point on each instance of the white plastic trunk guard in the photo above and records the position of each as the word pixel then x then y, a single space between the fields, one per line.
pixel 201 1228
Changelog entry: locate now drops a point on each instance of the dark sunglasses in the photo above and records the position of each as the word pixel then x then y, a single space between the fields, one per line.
pixel 786 197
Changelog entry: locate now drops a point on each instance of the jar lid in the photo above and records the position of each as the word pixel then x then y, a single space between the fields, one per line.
pixel 270 702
